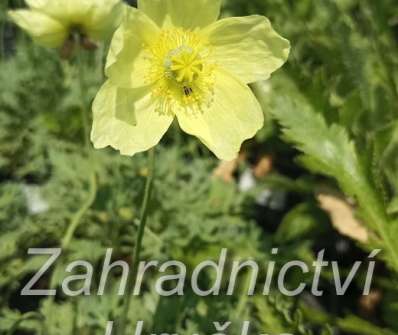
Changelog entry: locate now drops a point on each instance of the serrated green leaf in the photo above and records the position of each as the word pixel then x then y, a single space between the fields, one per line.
pixel 330 151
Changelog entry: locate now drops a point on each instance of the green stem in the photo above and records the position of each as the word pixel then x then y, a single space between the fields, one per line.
pixel 138 245
pixel 82 90
pixel 74 223
pixel 85 121
pixel 377 215
pixel 92 192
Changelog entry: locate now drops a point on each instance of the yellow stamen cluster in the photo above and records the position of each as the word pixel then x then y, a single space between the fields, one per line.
pixel 186 65
pixel 180 71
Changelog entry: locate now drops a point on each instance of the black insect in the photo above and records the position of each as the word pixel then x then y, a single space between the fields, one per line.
pixel 187 91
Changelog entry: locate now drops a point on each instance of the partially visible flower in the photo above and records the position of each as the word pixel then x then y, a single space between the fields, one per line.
pixel 172 58
pixel 51 23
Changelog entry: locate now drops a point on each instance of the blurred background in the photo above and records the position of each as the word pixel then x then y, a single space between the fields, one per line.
pixel 342 71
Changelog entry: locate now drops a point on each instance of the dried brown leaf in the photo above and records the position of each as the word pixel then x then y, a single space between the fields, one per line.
pixel 263 167
pixel 342 216
pixel 225 170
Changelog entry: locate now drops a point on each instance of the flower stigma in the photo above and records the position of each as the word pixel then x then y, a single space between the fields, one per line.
pixel 180 71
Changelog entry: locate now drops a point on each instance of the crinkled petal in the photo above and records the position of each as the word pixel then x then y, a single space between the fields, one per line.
pixel 234 116
pixel 104 18
pixel 77 10
pixel 49 7
pixel 127 63
pixel 37 4
pixel 126 120
pixel 186 14
pixel 71 11
pixel 248 47
pixel 45 30
pixel 99 18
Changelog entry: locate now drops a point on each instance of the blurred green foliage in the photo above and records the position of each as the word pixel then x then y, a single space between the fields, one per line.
pixel 336 101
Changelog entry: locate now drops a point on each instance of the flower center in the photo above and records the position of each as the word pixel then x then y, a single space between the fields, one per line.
pixel 184 64
pixel 180 70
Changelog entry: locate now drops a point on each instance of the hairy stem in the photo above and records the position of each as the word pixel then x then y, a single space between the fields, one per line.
pixel 377 215
pixel 74 223
pixel 92 192
pixel 138 245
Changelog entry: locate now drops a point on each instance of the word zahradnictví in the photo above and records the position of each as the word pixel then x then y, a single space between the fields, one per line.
pixel 220 327
pixel 172 276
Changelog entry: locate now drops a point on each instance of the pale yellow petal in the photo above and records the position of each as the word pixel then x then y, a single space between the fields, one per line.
pixel 57 9
pixel 104 18
pixel 187 14
pixel 125 119
pixel 97 18
pixel 247 47
pixel 45 30
pixel 77 10
pixel 127 63
pixel 36 4
pixel 234 116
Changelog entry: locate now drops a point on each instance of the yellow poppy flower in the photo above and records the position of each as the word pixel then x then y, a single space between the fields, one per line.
pixel 172 58
pixel 51 22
